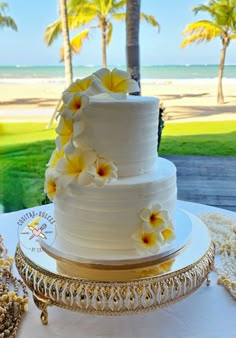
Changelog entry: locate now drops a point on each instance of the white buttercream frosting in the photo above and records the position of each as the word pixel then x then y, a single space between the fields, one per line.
pixel 91 217
pixel 123 129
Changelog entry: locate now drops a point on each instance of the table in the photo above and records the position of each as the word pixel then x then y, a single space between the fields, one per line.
pixel 207 313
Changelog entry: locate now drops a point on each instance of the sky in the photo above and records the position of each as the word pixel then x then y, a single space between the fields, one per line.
pixel 26 47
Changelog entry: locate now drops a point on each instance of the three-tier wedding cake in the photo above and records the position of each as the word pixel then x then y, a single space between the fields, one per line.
pixel 113 196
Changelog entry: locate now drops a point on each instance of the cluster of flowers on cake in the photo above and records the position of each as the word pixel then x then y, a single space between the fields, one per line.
pixel 154 230
pixel 73 161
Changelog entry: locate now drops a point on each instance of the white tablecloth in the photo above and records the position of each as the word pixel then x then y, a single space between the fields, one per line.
pixel 210 312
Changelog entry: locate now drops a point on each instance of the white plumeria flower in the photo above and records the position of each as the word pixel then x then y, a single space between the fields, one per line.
pixel 56 155
pixel 104 171
pixel 64 130
pixel 74 107
pixel 79 86
pixel 51 186
pixel 154 219
pixel 74 167
pixel 168 234
pixel 146 242
pixel 117 81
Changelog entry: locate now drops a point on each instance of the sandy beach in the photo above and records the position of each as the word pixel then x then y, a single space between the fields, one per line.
pixel 183 100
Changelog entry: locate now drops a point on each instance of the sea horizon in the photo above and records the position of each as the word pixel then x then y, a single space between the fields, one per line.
pixel 152 74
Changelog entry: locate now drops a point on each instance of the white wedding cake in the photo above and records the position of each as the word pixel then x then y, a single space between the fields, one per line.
pixel 113 196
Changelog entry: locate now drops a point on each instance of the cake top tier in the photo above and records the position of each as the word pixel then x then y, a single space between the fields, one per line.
pixel 103 133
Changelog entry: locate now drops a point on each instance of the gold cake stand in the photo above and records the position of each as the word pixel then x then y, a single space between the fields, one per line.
pixel 116 290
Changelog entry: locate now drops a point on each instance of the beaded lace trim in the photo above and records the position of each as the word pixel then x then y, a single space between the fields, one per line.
pixel 223 233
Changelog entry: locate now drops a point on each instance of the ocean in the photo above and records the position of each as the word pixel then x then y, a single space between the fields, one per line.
pixel 152 74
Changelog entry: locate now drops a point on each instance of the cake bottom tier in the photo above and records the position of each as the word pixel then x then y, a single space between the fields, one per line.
pixel 93 218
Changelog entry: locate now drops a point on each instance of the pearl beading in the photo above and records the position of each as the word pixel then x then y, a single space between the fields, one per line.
pixel 12 305
pixel 223 233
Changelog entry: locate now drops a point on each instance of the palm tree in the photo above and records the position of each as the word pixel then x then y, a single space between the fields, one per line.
pixel 132 39
pixel 91 14
pixel 222 25
pixel 133 17
pixel 6 21
pixel 66 42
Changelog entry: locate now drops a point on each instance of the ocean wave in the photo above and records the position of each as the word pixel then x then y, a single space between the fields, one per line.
pixel 187 81
pixel 61 80
pixel 51 80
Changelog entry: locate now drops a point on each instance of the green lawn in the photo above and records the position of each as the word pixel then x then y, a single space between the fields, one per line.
pixel 17 133
pixel 25 149
pixel 216 138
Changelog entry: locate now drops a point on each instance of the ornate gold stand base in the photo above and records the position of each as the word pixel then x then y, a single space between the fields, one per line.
pixel 111 298
pixel 118 292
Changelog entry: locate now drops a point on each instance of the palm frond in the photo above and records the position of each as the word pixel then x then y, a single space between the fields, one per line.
pixel 7 21
pixel 203 27
pixel 120 4
pixel 233 36
pixel 202 8
pixel 109 32
pixel 80 13
pixel 52 31
pixel 150 19
pixel 197 38
pixel 76 43
pixel 119 16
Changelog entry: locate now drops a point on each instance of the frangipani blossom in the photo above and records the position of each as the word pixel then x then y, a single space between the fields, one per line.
pixel 56 155
pixel 51 185
pixel 146 242
pixel 154 219
pixel 104 171
pixel 80 85
pixel 74 105
pixel 168 234
pixel 117 81
pixel 73 167
pixel 64 130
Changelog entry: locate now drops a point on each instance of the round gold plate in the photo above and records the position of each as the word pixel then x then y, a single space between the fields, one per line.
pixel 119 291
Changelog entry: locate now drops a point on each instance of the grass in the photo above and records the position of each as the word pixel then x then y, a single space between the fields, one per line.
pixel 216 138
pixel 18 133
pixel 25 149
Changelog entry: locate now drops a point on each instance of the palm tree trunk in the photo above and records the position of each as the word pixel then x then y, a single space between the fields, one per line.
pixel 66 42
pixel 220 96
pixel 104 45
pixel 132 39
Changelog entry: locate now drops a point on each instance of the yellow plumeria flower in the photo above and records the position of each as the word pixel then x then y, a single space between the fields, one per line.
pixel 104 171
pixel 74 166
pixel 146 242
pixel 117 81
pixel 51 186
pixel 74 106
pixel 154 219
pixel 56 155
pixel 168 234
pixel 64 130
pixel 80 85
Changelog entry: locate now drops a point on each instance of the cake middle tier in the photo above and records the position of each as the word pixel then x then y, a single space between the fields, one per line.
pixel 105 218
pixel 124 130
